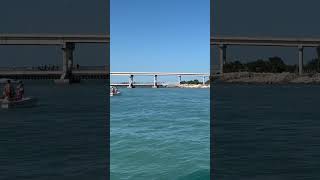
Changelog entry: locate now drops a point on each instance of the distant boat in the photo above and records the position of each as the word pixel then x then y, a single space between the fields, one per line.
pixel 24 102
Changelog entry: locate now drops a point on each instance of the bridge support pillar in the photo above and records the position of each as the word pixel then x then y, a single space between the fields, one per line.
pixel 131 82
pixel 318 53
pixel 67 64
pixel 155 81
pixel 179 80
pixel 300 60
pixel 203 80
pixel 222 56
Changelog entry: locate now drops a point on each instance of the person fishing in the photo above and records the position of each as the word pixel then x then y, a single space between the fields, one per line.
pixel 8 91
pixel 20 90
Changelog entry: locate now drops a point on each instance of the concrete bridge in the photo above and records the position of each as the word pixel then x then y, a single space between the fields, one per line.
pixel 92 72
pixel 67 43
pixel 138 85
pixel 299 43
pixel 155 75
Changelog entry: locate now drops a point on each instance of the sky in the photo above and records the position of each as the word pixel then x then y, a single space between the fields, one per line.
pixel 270 18
pixel 160 35
pixel 54 17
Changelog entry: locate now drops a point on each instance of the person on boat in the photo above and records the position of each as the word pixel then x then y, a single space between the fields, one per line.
pixel 8 91
pixel 112 89
pixel 20 90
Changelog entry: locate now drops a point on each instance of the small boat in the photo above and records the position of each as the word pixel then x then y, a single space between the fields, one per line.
pixel 24 102
pixel 114 94
pixel 114 91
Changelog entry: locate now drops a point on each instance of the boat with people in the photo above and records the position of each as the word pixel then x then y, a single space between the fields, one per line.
pixel 15 97
pixel 114 91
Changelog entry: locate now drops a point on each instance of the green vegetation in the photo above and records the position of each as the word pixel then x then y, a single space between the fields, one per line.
pixel 196 81
pixel 313 66
pixel 272 65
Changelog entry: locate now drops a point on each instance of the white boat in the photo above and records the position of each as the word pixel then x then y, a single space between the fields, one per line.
pixel 24 102
pixel 114 92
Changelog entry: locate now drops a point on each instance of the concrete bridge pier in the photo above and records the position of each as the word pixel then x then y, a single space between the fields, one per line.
pixel 155 81
pixel 300 60
pixel 318 54
pixel 222 56
pixel 131 85
pixel 179 80
pixel 67 64
pixel 203 80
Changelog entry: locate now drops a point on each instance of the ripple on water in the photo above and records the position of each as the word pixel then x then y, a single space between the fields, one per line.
pixel 160 134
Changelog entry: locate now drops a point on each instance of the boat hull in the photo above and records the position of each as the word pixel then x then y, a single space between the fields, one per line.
pixel 24 102
pixel 115 94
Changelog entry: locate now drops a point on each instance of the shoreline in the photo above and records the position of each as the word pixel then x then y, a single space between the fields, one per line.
pixel 268 78
pixel 199 86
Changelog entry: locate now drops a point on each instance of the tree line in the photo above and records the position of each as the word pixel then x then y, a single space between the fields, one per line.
pixel 272 65
pixel 196 81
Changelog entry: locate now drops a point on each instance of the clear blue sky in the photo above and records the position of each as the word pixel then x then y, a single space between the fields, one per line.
pixel 160 35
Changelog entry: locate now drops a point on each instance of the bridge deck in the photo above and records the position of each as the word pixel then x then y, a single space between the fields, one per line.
pixel 83 74
pixel 50 39
pixel 135 84
pixel 157 73
pixel 264 41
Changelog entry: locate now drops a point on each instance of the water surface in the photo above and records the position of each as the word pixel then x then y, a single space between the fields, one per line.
pixel 160 134
pixel 266 132
pixel 63 137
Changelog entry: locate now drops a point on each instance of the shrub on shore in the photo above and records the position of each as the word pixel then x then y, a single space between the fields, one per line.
pixel 272 65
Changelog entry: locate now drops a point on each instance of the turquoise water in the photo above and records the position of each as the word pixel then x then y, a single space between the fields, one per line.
pixel 160 134
pixel 63 137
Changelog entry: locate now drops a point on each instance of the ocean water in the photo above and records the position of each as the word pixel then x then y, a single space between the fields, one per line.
pixel 63 137
pixel 266 132
pixel 160 134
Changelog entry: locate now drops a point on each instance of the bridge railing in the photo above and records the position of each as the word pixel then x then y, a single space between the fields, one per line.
pixel 25 68
pixel 50 68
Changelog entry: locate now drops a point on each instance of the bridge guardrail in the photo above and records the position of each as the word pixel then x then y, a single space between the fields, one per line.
pixel 50 68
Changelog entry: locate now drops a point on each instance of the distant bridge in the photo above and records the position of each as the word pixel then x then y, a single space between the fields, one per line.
pixel 137 85
pixel 222 42
pixel 51 39
pixel 67 43
pixel 94 72
pixel 155 75
pixel 265 41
